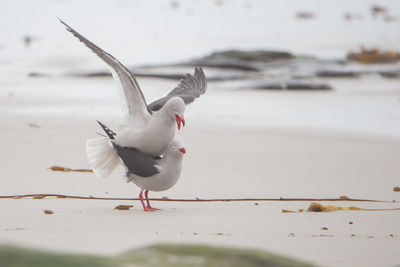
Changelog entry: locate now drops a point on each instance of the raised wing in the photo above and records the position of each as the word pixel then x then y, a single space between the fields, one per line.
pixel 137 162
pixel 135 100
pixel 188 89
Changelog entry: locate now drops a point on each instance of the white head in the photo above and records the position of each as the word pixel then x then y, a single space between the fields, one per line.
pixel 176 148
pixel 175 108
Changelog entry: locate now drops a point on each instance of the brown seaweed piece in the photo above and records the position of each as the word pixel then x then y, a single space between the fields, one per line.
pixel 65 169
pixel 374 56
pixel 287 211
pixel 123 207
pixel 317 207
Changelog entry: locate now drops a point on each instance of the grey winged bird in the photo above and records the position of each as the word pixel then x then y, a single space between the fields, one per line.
pixel 150 128
pixel 148 173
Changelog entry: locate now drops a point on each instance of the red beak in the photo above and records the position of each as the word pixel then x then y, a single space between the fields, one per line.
pixel 179 120
pixel 183 150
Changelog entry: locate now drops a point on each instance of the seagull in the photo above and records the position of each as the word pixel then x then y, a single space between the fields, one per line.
pixel 148 173
pixel 150 128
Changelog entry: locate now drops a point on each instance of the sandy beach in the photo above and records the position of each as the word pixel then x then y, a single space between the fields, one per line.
pixel 241 142
pixel 224 160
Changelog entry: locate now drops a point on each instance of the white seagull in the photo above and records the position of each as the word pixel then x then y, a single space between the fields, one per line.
pixel 150 128
pixel 148 173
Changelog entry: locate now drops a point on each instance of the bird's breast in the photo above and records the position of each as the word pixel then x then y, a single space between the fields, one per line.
pixel 151 139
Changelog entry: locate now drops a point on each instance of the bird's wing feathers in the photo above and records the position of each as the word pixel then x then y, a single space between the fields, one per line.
pixel 188 89
pixel 135 100
pixel 137 162
pixel 108 131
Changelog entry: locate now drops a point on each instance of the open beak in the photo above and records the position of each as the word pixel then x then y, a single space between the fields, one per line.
pixel 179 120
pixel 183 150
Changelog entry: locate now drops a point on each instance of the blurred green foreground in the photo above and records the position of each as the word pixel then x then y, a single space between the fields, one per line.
pixel 158 255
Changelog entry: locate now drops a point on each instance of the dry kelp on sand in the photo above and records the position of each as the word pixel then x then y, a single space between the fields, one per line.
pixel 342 198
pixel 123 207
pixel 317 207
pixel 65 169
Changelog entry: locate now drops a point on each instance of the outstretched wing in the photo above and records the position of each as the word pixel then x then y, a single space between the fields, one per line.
pixel 135 100
pixel 137 162
pixel 188 89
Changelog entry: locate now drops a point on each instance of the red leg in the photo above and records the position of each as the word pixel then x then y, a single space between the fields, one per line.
pixel 146 193
pixel 141 200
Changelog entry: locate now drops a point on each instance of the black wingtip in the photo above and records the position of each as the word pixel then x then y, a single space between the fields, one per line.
pixel 109 132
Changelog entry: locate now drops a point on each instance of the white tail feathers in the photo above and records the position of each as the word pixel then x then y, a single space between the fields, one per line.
pixel 102 156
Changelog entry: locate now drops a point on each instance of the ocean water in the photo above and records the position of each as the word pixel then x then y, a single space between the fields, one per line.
pixel 152 32
pixel 141 32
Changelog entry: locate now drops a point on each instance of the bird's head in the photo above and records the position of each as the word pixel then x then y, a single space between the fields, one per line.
pixel 176 108
pixel 177 148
